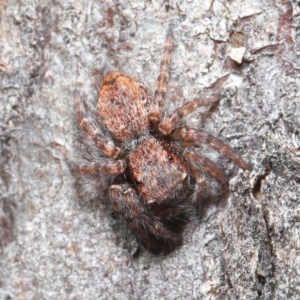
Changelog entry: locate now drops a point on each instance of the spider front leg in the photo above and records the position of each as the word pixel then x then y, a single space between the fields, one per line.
pixel 197 163
pixel 110 167
pixel 196 137
pixel 105 144
pixel 139 217
pixel 162 81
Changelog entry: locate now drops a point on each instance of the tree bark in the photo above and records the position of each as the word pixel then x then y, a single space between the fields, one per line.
pixel 58 238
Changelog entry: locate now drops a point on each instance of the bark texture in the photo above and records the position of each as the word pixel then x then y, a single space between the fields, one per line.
pixel 58 239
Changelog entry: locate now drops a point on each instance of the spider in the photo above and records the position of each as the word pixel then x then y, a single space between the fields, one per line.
pixel 151 156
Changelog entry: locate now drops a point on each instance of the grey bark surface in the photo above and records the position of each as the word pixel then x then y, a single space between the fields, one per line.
pixel 58 239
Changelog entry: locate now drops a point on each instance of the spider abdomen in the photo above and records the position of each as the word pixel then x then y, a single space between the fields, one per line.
pixel 123 106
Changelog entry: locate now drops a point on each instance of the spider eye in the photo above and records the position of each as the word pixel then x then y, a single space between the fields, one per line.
pixel 170 158
pixel 114 102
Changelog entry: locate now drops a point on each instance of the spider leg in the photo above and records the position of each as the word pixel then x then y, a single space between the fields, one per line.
pixel 201 185
pixel 196 137
pixel 196 172
pixel 162 80
pixel 199 162
pixel 105 144
pixel 111 167
pixel 140 218
pixel 169 122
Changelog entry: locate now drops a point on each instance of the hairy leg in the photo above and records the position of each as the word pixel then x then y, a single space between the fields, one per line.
pixel 196 137
pixel 139 217
pixel 169 122
pixel 198 163
pixel 162 81
pixel 111 167
pixel 105 144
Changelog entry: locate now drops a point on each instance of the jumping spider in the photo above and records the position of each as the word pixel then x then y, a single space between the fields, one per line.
pixel 151 155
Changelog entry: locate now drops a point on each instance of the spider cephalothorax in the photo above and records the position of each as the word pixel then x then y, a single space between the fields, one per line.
pixel 150 158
